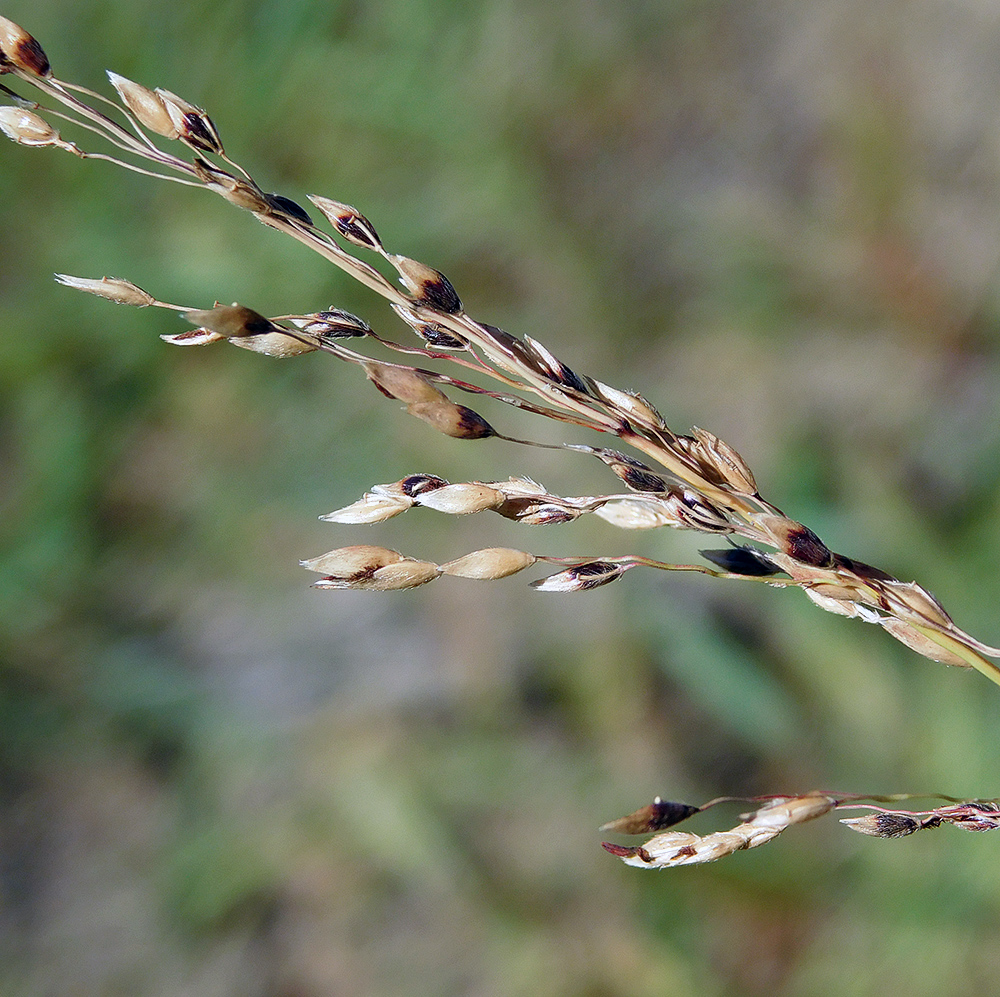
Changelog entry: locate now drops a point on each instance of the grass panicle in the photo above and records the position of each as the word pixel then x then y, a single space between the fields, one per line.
pixel 689 481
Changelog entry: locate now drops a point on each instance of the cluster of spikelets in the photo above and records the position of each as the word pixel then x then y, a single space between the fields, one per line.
pixel 671 848
pixel 693 481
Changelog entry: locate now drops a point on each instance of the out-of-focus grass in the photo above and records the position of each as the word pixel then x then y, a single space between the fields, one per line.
pixel 778 223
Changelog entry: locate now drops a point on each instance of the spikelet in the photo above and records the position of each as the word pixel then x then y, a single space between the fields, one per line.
pixel 122 292
pixel 19 50
pixel 27 128
pixel 490 563
pixel 674 848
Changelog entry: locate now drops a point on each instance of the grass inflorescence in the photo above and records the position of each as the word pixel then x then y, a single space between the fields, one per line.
pixel 691 481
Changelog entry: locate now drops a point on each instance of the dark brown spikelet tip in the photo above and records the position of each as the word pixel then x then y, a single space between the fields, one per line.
pixel 741 561
pixel 597 573
pixel 199 132
pixel 435 336
pixel 194 127
pixel 349 222
pixel 634 473
pixel 286 206
pixel 570 379
pixel 896 825
pixel 453 420
pixel 581 578
pixel 533 512
pixel 659 815
pixel 885 825
pixel 19 50
pixel 335 323
pixel 973 816
pixel 439 294
pixel 642 481
pixel 806 547
pixel 354 227
pixel 417 484
pixel 428 286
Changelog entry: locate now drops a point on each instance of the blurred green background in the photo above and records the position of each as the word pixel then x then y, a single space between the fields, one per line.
pixel 779 221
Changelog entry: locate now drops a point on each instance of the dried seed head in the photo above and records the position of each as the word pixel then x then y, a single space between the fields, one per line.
pixel 457 421
pixel 146 105
pixel 673 848
pixel 122 292
pixel 349 222
pixel 884 825
pixel 334 323
pixel 490 563
pixel 403 383
pixel 581 578
pixel 373 508
pixel 503 349
pixel 795 809
pixel 640 480
pixel 27 128
pixel 428 286
pixel 194 127
pixel 434 335
pixel 232 321
pixel 462 499
pixel 725 462
pixel 19 50
pixel 658 816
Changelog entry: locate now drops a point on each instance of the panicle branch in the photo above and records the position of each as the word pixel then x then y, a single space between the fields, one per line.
pixel 673 848
pixel 694 481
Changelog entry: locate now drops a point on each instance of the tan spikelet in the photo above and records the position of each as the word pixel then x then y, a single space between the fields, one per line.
pixel 489 563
